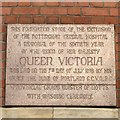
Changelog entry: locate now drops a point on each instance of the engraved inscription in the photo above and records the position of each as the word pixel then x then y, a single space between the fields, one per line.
pixel 60 65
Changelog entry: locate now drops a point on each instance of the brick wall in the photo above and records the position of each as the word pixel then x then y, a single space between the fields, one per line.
pixel 58 13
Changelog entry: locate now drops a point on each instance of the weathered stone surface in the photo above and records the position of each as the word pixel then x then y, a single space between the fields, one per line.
pixel 56 112
pixel 1 113
pixel 24 96
pixel 119 113
pixel 92 57
pixel 27 112
pixel 85 113
pixel 60 65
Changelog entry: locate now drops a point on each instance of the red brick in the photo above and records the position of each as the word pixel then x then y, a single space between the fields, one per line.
pixel 3 74
pixel 119 68
pixel 2 55
pixel 118 56
pixel 118 102
pixel 96 4
pixel 118 94
pixel 116 38
pixel 113 11
pixel 2 64
pixel 119 4
pixel 95 11
pixel 1 19
pixel 74 10
pixel 1 37
pixel 97 20
pixel 25 10
pixel 118 84
pixel 118 47
pixel 37 4
pixel 67 19
pixel 26 0
pixel 82 20
pixel 82 4
pixel 119 19
pixel 52 20
pixel 3 28
pixel 58 10
pixel 118 74
pixel 118 65
pixel 23 3
pixel 0 3
pixel 3 92
pixel 61 11
pixel 4 37
pixel 10 19
pixel 67 4
pixel 117 28
pixel 52 3
pixel 1 102
pixel 47 11
pixel 111 20
pixel 119 38
pixel 1 10
pixel 7 4
pixel 39 19
pixel 3 83
pixel 2 47
pixel 110 4
pixel 25 19
pixel 6 11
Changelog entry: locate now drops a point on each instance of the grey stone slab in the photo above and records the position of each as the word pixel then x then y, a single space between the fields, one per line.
pixel 119 113
pixel 27 112
pixel 56 112
pixel 79 95
pixel 44 54
pixel 85 113
pixel 60 65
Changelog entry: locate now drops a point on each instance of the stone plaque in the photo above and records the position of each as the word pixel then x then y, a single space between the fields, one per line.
pixel 60 65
